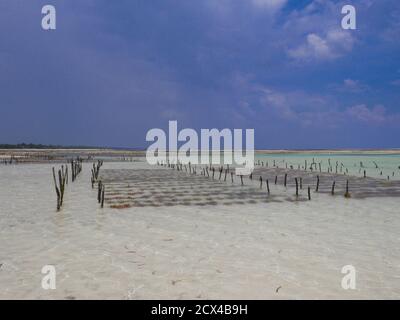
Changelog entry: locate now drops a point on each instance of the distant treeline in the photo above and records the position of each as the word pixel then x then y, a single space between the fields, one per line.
pixel 41 146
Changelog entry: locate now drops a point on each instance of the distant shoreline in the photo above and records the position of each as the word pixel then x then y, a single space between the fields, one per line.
pixel 33 146
pixel 331 151
pixel 44 147
pixel 141 152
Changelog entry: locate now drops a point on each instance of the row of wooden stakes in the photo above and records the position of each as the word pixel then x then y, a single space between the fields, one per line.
pixel 101 188
pixel 63 177
pixel 339 167
pixel 206 172
pixel 95 172
pixel 60 187
pixel 11 160
pixel 76 166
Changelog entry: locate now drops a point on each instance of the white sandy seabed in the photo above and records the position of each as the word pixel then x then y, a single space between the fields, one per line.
pixel 287 250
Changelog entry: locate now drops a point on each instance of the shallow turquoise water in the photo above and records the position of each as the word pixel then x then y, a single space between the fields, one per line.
pixel 375 165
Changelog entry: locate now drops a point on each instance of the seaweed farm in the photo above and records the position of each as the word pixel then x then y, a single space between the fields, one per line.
pixel 156 188
pixel 171 186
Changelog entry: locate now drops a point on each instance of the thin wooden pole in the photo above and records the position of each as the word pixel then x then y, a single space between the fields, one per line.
pixel 347 194
pixel 285 181
pixel 57 191
pixel 60 181
pixel 99 186
pixel 102 196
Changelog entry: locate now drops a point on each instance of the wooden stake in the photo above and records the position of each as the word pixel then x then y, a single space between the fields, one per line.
pixel 60 181
pixel 102 196
pixel 57 191
pixel 99 185
pixel 66 172
pixel 347 194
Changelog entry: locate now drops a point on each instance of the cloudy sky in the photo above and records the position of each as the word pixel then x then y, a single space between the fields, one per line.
pixel 112 70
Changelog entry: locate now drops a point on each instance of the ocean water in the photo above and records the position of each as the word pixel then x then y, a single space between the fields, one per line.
pixel 376 165
pixel 273 248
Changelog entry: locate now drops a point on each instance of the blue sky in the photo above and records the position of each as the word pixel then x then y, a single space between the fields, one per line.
pixel 112 70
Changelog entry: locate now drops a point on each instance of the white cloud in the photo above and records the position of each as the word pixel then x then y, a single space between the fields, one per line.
pixel 350 85
pixel 299 106
pixel 316 34
pixel 228 7
pixel 315 47
pixel 279 103
pixel 355 86
pixel 361 112
pixel 271 5
pixel 310 110
pixel 334 45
